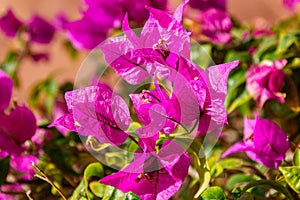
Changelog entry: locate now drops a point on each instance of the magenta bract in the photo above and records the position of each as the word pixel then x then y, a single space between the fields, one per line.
pixel 265 81
pixel 96 111
pixel 216 25
pixel 10 24
pixel 206 4
pixel 264 142
pixel 153 176
pixel 40 31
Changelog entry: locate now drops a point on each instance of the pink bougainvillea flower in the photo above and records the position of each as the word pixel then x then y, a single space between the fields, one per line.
pixel 157 111
pixel 206 4
pixel 133 57
pixel 155 176
pixel 10 24
pixel 7 188
pixel 13 137
pixel 16 128
pixel 96 111
pixel 101 16
pixel 290 4
pixel 264 142
pixel 264 81
pixel 6 85
pixel 40 31
pixel 216 25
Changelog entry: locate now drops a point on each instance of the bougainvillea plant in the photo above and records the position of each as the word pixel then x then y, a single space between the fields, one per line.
pixel 203 106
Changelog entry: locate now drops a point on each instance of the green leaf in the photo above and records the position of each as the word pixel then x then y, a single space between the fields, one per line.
pixel 213 193
pixel 296 158
pixel 10 66
pixel 242 56
pixel 243 98
pixel 237 179
pixel 196 152
pixel 200 54
pixel 267 45
pixel 231 163
pixel 107 192
pixel 82 190
pixel 286 40
pixel 70 49
pixel 270 184
pixel 45 92
pixel 93 169
pixel 233 82
pixel 4 166
pixel 292 176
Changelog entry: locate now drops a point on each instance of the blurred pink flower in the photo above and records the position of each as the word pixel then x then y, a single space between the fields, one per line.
pixel 206 4
pixel 101 16
pixel 290 4
pixel 264 142
pixel 216 25
pixel 40 30
pixel 265 80
pixel 16 128
pixel 6 85
pixel 10 24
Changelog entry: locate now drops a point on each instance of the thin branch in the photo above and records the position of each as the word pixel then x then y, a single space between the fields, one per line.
pixel 44 177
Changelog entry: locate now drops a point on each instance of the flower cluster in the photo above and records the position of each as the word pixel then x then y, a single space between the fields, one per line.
pixel 196 97
pixel 13 138
pixel 101 16
pixel 38 29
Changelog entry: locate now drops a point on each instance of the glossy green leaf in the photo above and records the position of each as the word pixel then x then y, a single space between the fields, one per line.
pixel 200 164
pixel 240 100
pixel 242 56
pixel 4 166
pixel 268 44
pixel 200 54
pixel 238 179
pixel 10 66
pixel 233 82
pixel 213 193
pixel 270 184
pixel 296 158
pixel 286 40
pixel 292 176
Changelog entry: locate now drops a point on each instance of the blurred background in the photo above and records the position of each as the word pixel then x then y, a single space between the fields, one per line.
pixel 258 12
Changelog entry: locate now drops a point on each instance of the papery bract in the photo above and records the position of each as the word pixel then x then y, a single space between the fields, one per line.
pixel 134 57
pixel 6 85
pixel 12 137
pixel 23 164
pixel 264 142
pixel 40 31
pixel 153 176
pixel 101 16
pixel 96 111
pixel 216 25
pixel 265 81
pixel 10 24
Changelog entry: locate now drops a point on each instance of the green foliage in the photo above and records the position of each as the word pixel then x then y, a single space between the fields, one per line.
pixel 45 92
pixel 292 176
pixel 4 166
pixel 213 193
pixel 10 66
pixel 90 188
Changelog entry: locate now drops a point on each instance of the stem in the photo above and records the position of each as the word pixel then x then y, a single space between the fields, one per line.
pixel 44 177
pixel 134 140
